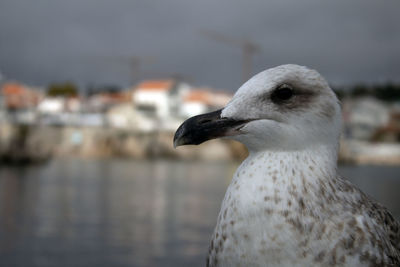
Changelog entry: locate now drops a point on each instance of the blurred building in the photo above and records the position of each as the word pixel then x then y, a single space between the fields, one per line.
pixel 16 96
pixel 51 105
pixel 158 103
pixel 60 110
pixel 203 100
pixel 159 98
pixel 19 102
pixel 122 116
pixel 391 131
pixel 363 116
pixel 164 104
pixel 102 101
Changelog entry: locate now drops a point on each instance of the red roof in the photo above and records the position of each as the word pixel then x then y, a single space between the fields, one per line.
pixel 12 88
pixel 198 96
pixel 155 85
pixel 19 96
pixel 208 97
pixel 116 97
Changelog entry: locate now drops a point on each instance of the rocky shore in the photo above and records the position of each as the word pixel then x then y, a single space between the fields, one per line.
pixel 37 143
pixel 22 143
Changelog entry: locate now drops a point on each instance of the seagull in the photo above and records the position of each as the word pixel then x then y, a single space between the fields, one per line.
pixel 286 204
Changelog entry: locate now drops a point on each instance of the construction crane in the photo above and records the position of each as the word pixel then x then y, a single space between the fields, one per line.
pixel 135 64
pixel 248 50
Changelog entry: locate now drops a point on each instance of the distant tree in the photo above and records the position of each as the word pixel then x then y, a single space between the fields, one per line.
pixel 388 92
pixel 66 89
pixel 110 89
pixel 92 89
pixel 360 90
pixel 340 92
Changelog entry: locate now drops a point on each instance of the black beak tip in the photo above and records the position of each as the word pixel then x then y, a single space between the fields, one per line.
pixel 177 143
pixel 179 139
pixel 201 128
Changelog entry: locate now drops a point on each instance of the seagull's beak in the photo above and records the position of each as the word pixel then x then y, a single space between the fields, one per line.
pixel 201 128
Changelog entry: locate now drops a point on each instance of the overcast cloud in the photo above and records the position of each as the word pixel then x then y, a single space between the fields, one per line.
pixel 85 40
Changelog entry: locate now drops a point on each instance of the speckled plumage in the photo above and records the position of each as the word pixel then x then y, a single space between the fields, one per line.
pixel 284 209
pixel 286 204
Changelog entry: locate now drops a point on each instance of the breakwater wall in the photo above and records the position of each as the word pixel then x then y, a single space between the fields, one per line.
pixel 35 143
pixel 38 142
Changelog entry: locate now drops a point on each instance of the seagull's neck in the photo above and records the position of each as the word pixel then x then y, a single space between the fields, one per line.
pixel 281 169
pixel 319 156
pixel 282 180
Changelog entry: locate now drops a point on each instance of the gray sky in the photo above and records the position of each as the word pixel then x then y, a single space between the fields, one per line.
pixel 86 41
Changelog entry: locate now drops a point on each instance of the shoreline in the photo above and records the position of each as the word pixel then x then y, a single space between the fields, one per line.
pixel 38 143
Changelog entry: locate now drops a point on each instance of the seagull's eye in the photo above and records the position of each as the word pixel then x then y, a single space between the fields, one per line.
pixel 282 93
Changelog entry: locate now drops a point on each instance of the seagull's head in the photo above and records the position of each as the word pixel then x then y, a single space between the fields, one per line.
pixel 288 107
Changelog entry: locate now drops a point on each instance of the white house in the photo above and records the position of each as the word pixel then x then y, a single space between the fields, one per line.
pixel 365 116
pixel 194 103
pixel 159 99
pixel 203 100
pixel 51 105
pixel 122 116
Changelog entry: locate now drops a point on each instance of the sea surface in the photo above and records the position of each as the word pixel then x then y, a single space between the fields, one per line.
pixel 74 212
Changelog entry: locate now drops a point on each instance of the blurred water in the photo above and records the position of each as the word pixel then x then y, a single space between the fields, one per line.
pixel 127 213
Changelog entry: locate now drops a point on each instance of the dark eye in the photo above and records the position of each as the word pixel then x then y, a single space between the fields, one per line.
pixel 282 93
